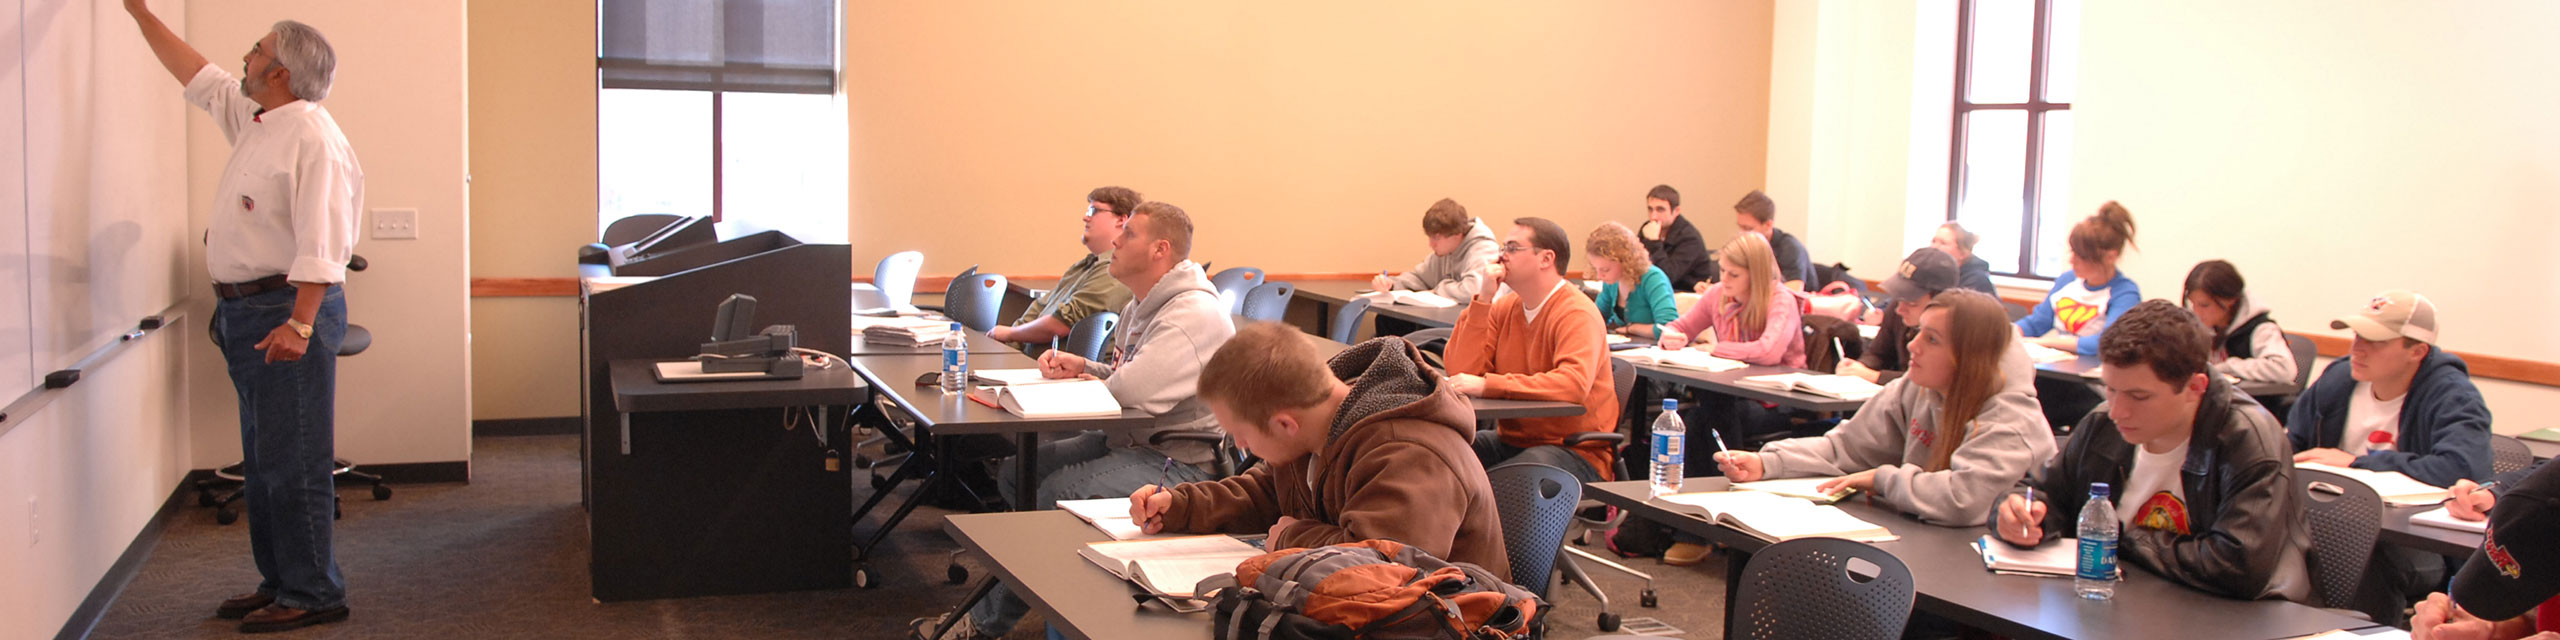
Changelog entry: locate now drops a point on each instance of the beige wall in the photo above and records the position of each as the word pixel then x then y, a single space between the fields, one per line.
pixel 399 96
pixel 533 197
pixel 2331 151
pixel 1301 137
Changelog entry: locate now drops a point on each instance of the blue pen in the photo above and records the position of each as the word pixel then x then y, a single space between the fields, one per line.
pixel 1166 482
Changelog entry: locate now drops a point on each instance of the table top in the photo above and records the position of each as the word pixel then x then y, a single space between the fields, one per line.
pixel 1950 581
pixel 894 378
pixel 978 343
pixel 2398 530
pixel 2541 450
pixel 1035 553
pixel 636 389
pixel 1723 382
pixel 1486 408
pixel 1337 292
pixel 2078 369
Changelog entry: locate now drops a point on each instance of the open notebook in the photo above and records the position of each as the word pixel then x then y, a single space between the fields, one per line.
pixel 1003 377
pixel 2396 488
pixel 1829 386
pixel 1805 488
pixel 1410 299
pixel 2441 519
pixel 1678 358
pixel 1171 566
pixel 1775 518
pixel 1060 399
pixel 1111 515
pixel 2053 559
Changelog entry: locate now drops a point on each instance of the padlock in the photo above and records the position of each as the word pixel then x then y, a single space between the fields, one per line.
pixel 835 461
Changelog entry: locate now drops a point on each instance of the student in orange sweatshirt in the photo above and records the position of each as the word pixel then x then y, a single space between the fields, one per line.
pixel 1544 341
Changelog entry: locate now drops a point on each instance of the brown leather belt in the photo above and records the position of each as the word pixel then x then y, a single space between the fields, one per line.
pixel 235 290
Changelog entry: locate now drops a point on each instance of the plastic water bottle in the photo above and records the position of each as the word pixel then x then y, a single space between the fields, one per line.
pixel 2096 573
pixel 955 360
pixel 1670 448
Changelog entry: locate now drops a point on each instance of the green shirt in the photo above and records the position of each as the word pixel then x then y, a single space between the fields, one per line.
pixel 1086 289
pixel 1652 303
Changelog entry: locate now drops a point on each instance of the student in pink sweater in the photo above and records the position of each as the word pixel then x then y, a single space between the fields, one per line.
pixel 1755 318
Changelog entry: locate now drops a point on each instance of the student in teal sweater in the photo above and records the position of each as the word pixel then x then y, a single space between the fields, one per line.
pixel 1635 297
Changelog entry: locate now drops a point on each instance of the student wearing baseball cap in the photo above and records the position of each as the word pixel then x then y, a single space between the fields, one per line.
pixel 2397 383
pixel 2507 589
pixel 1913 285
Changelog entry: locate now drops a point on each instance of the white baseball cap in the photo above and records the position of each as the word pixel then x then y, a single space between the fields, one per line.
pixel 2393 314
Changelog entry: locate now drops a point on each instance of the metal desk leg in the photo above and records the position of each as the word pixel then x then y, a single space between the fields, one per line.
pixel 626 432
pixel 1026 479
pixel 1734 561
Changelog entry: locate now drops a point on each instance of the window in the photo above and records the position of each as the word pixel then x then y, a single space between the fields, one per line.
pixel 724 108
pixel 2009 169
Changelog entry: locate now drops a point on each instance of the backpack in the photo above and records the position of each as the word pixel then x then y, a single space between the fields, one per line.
pixel 1372 589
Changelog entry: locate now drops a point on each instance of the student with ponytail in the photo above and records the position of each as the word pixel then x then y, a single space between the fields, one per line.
pixel 2081 306
pixel 1944 441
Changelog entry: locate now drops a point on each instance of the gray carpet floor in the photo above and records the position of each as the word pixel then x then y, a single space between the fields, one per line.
pixel 505 557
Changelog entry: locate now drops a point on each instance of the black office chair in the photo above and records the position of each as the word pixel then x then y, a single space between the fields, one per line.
pixel 223 491
pixel 1569 559
pixel 1785 581
pixel 1535 502
pixel 2508 454
pixel 1433 343
pixel 2346 518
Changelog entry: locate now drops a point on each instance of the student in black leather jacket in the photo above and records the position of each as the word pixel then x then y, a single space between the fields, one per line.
pixel 2202 476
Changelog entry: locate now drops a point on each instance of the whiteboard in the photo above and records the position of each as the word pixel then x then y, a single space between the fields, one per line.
pixel 104 218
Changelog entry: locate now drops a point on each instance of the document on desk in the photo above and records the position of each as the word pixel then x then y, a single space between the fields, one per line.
pixel 2370 633
pixel 2044 354
pixel 1829 386
pixel 1775 518
pixel 2442 519
pixel 1171 566
pixel 1410 299
pixel 1007 377
pixel 1678 358
pixel 2053 559
pixel 1060 399
pixel 2396 488
pixel 1111 515
pixel 1808 489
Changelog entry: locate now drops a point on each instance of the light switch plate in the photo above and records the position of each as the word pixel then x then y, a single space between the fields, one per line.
pixel 395 224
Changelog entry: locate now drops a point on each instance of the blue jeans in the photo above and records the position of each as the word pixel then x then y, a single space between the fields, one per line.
pixel 287 441
pixel 1076 468
pixel 1493 453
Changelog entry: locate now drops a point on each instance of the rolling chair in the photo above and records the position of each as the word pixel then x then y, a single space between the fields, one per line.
pixel 892 285
pixel 1087 338
pixel 1233 284
pixel 223 491
pixel 1267 302
pixel 1536 503
pixel 2346 518
pixel 1432 342
pixel 2508 454
pixel 1568 559
pixel 1346 321
pixel 1785 580
pixel 633 228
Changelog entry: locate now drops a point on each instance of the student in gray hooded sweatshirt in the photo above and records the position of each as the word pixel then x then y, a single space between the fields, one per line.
pixel 1944 441
pixel 1173 323
pixel 1460 248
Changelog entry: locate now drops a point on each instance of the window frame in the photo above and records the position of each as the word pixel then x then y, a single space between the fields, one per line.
pixel 2036 108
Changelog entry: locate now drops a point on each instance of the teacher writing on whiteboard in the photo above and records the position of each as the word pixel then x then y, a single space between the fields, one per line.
pixel 282 230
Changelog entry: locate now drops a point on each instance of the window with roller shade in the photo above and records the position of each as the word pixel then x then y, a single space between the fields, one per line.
pixel 723 108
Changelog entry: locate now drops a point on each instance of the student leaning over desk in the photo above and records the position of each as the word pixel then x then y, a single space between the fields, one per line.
pixel 2247 344
pixel 2200 473
pixel 1941 443
pixel 1460 248
pixel 2082 305
pixel 1635 297
pixel 1372 444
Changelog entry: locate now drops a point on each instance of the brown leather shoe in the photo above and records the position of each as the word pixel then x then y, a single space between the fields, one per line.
pixel 240 606
pixel 278 617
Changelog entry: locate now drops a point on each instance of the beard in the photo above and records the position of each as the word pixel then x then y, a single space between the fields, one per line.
pixel 253 83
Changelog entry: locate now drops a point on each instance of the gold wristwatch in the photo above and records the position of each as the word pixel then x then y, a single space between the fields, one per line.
pixel 299 328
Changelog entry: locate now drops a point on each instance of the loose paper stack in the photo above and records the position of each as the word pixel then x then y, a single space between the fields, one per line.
pixel 902 332
pixel 2441 519
pixel 2054 559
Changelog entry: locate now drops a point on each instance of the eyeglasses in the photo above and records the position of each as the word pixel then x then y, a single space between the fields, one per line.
pixel 1090 210
pixel 1509 249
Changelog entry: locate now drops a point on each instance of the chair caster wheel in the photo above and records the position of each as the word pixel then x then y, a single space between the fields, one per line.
pixel 1649 601
pixel 226 515
pixel 381 493
pixel 956 574
pixel 1608 621
pixel 205 499
pixel 862 579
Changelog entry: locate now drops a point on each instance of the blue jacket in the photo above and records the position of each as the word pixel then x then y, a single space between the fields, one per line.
pixel 2444 426
pixel 2122 295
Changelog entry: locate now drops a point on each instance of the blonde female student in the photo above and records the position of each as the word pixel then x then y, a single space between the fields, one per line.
pixel 1635 296
pixel 2082 305
pixel 1749 314
pixel 1943 442
pixel 2247 344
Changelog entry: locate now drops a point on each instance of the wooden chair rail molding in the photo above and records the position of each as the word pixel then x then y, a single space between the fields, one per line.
pixel 2482 365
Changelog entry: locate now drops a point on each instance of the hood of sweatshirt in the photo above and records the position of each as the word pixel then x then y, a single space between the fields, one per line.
pixel 1389 382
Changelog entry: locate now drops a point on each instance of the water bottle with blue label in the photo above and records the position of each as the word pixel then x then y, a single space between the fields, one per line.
pixel 955 360
pixel 1670 448
pixel 2096 573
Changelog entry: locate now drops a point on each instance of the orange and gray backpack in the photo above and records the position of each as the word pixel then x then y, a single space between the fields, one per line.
pixel 1372 589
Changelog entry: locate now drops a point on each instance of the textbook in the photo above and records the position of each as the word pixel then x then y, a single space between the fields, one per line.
pixel 1679 358
pixel 1832 386
pixel 1111 515
pixel 1004 377
pixel 2545 435
pixel 1061 399
pixel 1410 299
pixel 2396 488
pixel 2441 519
pixel 1171 566
pixel 2045 355
pixel 1805 488
pixel 1775 518
pixel 2046 560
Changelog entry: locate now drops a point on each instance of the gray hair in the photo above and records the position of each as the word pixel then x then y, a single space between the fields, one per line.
pixel 307 55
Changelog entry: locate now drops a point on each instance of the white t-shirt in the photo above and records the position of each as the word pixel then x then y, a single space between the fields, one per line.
pixel 2366 415
pixel 2155 497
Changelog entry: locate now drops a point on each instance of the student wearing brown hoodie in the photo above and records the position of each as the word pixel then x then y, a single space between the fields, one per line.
pixel 1371 445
